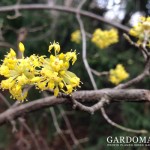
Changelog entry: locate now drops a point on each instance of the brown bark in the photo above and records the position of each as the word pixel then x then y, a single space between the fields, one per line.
pixel 119 95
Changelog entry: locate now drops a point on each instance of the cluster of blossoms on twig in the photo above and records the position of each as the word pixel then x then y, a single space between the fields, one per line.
pixel 142 31
pixel 45 73
pixel 103 39
pixel 118 74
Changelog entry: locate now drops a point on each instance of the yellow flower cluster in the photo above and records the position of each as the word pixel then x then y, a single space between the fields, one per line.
pixel 18 73
pixel 103 39
pixel 142 31
pixel 54 74
pixel 76 36
pixel 45 73
pixel 118 74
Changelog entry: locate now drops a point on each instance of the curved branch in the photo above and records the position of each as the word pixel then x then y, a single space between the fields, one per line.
pixel 6 44
pixel 122 127
pixel 84 52
pixel 119 95
pixel 63 9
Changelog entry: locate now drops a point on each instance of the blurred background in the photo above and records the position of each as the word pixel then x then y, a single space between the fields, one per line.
pixel 39 27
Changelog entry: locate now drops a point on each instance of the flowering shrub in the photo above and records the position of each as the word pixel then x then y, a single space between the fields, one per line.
pixel 45 73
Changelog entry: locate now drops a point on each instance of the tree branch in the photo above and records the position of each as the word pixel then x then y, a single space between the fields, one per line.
pixel 64 9
pixel 122 127
pixel 84 49
pixel 134 95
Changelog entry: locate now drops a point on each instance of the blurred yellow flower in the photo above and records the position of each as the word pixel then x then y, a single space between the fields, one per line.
pixel 21 47
pixel 118 74
pixel 56 47
pixel 142 31
pixel 76 36
pixel 104 38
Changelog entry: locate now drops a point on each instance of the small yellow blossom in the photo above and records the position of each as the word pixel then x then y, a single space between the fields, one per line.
pixel 76 36
pixel 118 74
pixel 69 89
pixel 51 85
pixel 21 47
pixel 56 91
pixel 4 70
pixel 71 55
pixel 12 52
pixel 56 47
pixel 103 39
pixel 35 79
pixel 61 85
pixel 142 31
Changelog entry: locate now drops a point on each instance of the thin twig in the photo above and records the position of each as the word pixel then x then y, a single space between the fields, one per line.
pixel 21 121
pixel 63 9
pixel 75 140
pixel 99 74
pixel 6 44
pixel 13 123
pixel 35 29
pixel 70 130
pixel 122 127
pixel 90 109
pixel 89 35
pixel 4 100
pixel 59 131
pixel 143 49
pixel 84 140
pixel 17 13
pixel 83 35
pixel 28 129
